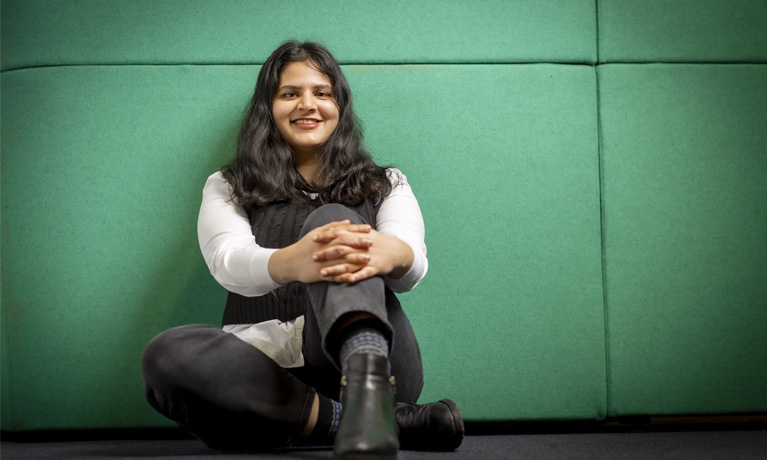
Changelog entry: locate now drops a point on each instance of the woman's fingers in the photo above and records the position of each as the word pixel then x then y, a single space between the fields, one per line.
pixel 337 270
pixel 348 254
pixel 325 234
pixel 362 274
pixel 344 249
pixel 351 263
pixel 341 251
pixel 353 277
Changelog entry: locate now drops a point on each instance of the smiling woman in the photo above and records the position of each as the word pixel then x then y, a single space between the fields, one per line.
pixel 305 113
pixel 312 239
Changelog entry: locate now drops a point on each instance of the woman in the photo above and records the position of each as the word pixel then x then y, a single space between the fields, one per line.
pixel 310 237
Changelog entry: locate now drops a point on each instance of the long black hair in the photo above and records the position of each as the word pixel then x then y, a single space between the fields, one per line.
pixel 262 171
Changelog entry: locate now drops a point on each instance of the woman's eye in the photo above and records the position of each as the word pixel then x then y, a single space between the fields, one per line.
pixel 323 94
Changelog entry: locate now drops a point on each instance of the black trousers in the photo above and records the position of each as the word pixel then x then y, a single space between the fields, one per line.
pixel 232 396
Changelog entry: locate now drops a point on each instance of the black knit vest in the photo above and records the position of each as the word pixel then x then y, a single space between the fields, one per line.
pixel 277 225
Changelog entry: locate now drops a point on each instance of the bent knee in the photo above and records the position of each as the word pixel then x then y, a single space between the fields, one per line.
pixel 170 349
pixel 328 213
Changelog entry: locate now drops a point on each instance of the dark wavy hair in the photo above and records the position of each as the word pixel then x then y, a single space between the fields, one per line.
pixel 263 172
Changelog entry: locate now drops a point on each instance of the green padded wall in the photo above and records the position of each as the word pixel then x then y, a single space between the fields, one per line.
pixel 682 31
pixel 684 209
pixel 553 171
pixel 119 154
pixel 41 32
pixel 510 316
pixel 685 230
pixel 115 112
pixel 101 178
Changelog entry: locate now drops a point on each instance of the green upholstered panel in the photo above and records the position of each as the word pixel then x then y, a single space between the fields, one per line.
pixel 102 169
pixel 685 230
pixel 41 32
pixel 503 161
pixel 101 178
pixel 682 31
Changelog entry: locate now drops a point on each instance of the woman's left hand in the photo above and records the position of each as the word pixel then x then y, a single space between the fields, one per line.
pixel 386 256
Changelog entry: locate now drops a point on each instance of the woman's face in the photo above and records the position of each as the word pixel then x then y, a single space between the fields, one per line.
pixel 304 108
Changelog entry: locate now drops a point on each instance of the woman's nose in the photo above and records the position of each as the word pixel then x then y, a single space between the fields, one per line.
pixel 306 102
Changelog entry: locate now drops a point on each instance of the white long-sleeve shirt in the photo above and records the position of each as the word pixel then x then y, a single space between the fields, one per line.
pixel 240 265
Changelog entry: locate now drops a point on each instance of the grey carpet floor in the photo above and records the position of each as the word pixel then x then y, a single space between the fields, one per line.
pixel 699 445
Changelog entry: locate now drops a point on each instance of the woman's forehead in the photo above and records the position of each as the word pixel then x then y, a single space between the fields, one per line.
pixel 303 73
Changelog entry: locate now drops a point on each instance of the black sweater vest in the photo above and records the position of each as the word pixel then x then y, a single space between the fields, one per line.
pixel 277 225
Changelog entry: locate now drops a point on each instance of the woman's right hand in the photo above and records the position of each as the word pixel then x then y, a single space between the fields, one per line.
pixel 346 251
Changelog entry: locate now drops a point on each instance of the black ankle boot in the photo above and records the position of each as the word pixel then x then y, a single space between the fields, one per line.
pixel 434 427
pixel 367 429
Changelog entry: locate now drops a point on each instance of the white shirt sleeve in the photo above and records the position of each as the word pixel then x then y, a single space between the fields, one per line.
pixel 400 217
pixel 240 265
pixel 228 245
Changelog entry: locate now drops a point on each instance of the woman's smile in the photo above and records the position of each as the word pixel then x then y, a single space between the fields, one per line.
pixel 307 123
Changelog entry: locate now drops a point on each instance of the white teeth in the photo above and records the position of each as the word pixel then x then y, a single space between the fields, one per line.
pixel 305 122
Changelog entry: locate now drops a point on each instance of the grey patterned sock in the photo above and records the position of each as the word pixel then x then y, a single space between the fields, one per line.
pixel 363 340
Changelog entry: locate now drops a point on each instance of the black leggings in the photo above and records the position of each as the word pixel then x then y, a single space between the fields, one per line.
pixel 231 395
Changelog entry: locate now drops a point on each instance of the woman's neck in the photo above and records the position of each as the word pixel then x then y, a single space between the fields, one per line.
pixel 308 165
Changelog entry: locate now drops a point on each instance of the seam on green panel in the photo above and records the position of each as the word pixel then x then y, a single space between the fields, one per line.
pixel 602 215
pixel 435 64
pixel 625 61
pixel 596 24
pixel 349 63
pixel 602 243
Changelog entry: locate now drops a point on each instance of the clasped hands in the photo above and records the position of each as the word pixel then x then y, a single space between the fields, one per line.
pixel 341 252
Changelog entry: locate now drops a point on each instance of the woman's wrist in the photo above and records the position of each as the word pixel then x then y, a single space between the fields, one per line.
pixel 402 258
pixel 277 261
